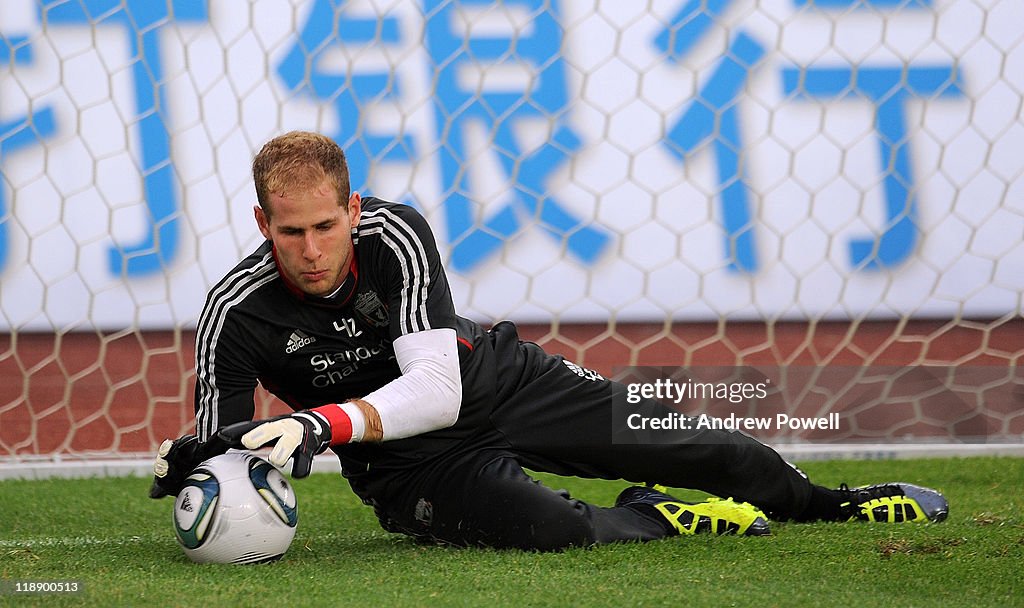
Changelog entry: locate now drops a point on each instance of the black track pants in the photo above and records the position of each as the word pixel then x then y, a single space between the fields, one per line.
pixel 554 417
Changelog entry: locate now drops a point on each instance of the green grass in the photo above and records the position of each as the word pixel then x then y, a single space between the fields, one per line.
pixel 106 533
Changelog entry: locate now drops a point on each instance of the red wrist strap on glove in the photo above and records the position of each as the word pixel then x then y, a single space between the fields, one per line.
pixel 341 423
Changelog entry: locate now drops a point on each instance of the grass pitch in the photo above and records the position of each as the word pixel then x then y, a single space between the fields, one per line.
pixel 119 544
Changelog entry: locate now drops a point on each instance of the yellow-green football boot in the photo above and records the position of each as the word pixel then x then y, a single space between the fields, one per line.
pixel 713 516
pixel 894 503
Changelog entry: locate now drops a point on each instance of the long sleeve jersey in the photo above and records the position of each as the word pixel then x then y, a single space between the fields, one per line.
pixel 308 351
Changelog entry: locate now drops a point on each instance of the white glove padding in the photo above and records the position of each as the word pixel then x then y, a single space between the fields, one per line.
pixel 176 458
pixel 301 436
pixel 160 465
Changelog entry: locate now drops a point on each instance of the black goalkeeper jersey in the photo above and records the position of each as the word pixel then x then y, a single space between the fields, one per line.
pixel 310 351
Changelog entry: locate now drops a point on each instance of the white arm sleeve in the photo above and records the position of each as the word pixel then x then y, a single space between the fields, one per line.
pixel 428 394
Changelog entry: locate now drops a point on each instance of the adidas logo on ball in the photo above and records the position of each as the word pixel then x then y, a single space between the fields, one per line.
pixel 235 509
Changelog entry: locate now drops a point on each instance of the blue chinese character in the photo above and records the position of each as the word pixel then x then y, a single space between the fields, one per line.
pixel 458 106
pixel 713 116
pixel 888 88
pixel 142 21
pixel 328 26
pixel 22 131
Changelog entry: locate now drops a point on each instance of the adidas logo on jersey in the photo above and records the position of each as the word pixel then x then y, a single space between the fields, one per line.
pixel 297 340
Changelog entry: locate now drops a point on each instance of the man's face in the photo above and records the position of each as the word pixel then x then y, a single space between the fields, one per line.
pixel 312 235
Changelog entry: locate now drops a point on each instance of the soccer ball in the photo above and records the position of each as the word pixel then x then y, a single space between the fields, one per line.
pixel 235 508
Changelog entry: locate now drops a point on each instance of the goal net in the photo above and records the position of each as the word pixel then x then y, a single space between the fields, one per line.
pixel 825 196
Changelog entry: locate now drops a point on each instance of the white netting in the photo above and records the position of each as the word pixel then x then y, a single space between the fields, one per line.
pixel 727 182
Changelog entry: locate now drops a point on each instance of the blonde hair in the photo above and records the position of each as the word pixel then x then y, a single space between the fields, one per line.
pixel 296 161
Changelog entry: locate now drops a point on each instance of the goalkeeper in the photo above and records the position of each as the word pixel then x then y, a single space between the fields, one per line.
pixel 345 314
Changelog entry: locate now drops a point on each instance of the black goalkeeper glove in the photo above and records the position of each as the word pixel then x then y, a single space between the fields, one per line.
pixel 176 459
pixel 299 436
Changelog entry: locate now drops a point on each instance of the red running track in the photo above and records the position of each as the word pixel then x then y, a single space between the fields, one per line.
pixel 123 392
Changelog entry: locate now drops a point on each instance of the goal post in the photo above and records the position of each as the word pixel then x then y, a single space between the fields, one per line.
pixel 778 186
